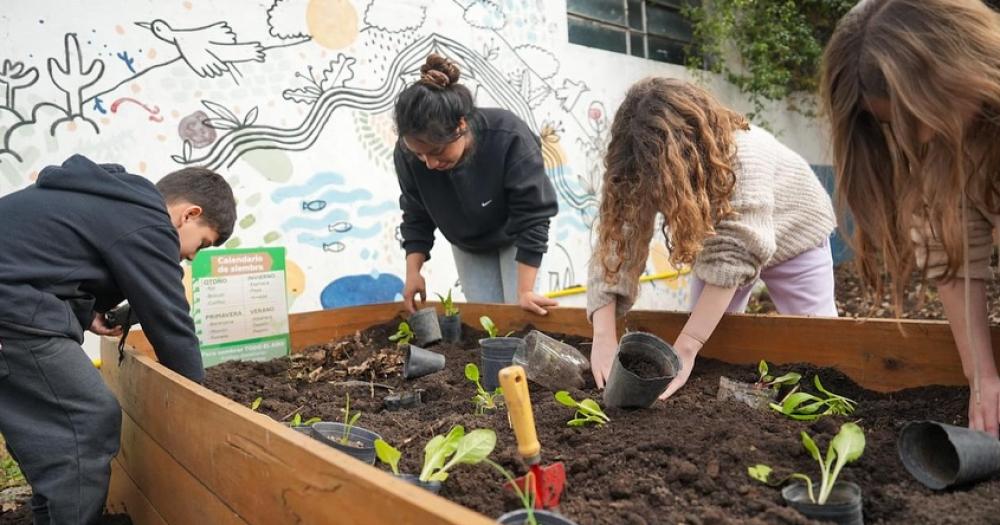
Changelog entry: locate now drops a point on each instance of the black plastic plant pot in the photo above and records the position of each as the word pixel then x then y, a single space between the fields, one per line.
pixel 750 394
pixel 642 369
pixel 424 324
pixel 433 486
pixel 419 362
pixel 451 328
pixel 360 441
pixel 403 400
pixel 843 507
pixel 941 456
pixel 497 353
pixel 543 517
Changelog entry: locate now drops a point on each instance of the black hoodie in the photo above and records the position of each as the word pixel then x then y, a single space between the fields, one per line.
pixel 81 239
pixel 497 197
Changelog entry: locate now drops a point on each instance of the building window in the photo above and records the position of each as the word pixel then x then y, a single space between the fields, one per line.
pixel 653 29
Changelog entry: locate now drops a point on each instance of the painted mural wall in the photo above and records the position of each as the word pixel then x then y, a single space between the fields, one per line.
pixel 291 100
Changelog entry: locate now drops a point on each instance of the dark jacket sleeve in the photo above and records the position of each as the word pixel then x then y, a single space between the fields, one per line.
pixel 417 228
pixel 531 200
pixel 146 266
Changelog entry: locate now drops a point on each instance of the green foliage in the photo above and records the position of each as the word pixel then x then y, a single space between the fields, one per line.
pixel 779 44
pixel 847 446
pixel 488 325
pixel 483 400
pixel 256 403
pixel 349 421
pixel 448 304
pixel 587 411
pixel 388 454
pixel 461 448
pixel 297 421
pixel 403 335
pixel 804 406
pixel 765 379
pixel 526 497
pixel 10 473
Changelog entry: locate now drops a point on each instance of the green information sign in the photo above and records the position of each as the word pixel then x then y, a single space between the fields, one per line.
pixel 239 304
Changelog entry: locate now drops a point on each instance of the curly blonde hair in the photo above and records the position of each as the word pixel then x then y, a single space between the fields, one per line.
pixel 671 152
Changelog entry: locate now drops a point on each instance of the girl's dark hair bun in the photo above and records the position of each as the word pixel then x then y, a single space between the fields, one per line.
pixel 439 72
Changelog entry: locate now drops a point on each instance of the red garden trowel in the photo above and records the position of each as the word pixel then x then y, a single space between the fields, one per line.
pixel 546 482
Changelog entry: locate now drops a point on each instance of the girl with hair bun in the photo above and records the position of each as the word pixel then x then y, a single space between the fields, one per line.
pixel 475 174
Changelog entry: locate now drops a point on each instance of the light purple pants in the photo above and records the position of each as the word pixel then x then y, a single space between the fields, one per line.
pixel 802 285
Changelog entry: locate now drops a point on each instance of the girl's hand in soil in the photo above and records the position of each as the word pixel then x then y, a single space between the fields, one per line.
pixel 604 344
pixel 100 327
pixel 983 416
pixel 534 303
pixel 686 348
pixel 415 285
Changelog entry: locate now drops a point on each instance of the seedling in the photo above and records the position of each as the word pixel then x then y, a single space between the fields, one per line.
pixel 403 335
pixel 491 329
pixel 526 497
pixel 587 410
pixel 297 421
pixel 845 447
pixel 349 421
pixel 448 304
pixel 804 406
pixel 256 403
pixel 388 454
pixel 461 448
pixel 769 381
pixel 484 400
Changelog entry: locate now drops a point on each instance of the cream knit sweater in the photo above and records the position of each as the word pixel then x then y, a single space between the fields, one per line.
pixel 781 208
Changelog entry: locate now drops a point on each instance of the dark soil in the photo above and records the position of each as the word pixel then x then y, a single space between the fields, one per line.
pixel 920 301
pixel 641 366
pixel 682 461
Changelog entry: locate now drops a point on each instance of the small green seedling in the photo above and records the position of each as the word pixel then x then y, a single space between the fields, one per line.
pixel 388 454
pixel 769 381
pixel 587 410
pixel 484 400
pixel 349 421
pixel 403 335
pixel 491 329
pixel 297 421
pixel 845 447
pixel 526 497
pixel 804 406
pixel 256 403
pixel 448 304
pixel 461 448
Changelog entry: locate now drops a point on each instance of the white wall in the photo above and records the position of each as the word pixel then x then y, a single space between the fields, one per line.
pixel 310 126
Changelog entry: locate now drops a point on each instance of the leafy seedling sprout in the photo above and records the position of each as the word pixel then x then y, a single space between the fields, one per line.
pixel 256 403
pixel 845 447
pixel 443 452
pixel 297 421
pixel 587 410
pixel 804 406
pixel 526 496
pixel 490 327
pixel 388 454
pixel 349 421
pixel 766 380
pixel 448 304
pixel 403 335
pixel 483 400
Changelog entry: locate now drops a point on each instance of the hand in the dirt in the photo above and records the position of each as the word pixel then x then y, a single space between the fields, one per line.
pixel 686 353
pixel 100 327
pixel 602 355
pixel 983 415
pixel 414 286
pixel 534 303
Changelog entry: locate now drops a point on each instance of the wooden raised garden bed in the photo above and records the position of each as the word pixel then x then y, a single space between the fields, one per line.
pixel 192 456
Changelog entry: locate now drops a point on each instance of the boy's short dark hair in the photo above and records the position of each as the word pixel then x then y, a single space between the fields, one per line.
pixel 206 188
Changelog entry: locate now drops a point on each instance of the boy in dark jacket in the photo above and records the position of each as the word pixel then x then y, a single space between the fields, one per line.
pixel 84 237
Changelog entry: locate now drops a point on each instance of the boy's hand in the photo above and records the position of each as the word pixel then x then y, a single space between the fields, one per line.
pixel 534 303
pixel 100 327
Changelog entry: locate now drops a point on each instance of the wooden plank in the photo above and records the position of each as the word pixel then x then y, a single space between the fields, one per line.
pixel 180 497
pixel 264 471
pixel 880 354
pixel 125 497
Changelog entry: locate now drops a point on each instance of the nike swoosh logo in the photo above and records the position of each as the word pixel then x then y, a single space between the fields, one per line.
pixel 487 203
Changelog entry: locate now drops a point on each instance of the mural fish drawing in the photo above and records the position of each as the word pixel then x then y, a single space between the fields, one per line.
pixel 333 247
pixel 313 205
pixel 340 227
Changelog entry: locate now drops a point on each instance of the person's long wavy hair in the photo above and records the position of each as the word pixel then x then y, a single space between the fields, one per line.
pixel 936 63
pixel 671 152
